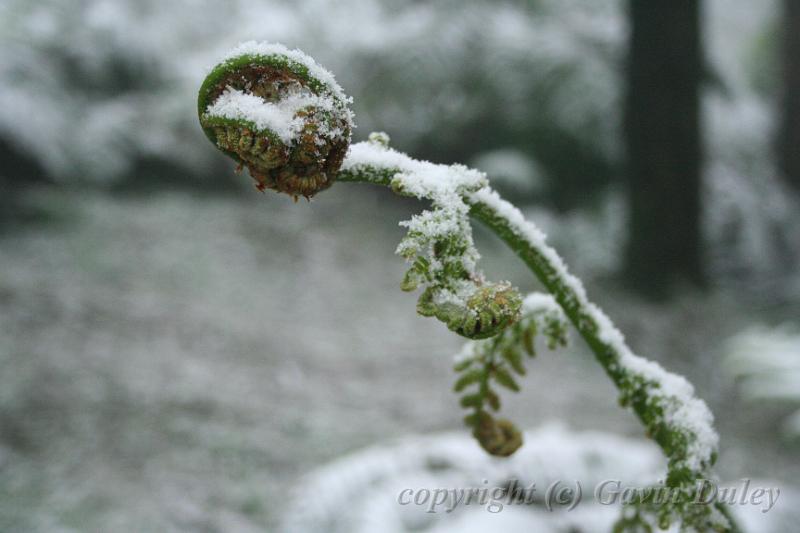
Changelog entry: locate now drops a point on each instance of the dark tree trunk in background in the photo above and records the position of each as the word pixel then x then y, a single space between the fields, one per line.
pixel 789 140
pixel 662 136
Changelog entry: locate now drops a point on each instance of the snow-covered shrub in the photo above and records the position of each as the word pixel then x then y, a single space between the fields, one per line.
pixel 767 362
pixel 752 220
pixel 93 86
pixel 277 112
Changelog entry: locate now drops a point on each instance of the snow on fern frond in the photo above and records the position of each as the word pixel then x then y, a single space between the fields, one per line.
pixel 442 257
pixel 439 244
pixel 674 416
pixel 281 118
pixel 666 403
pixel 536 238
pixel 680 410
pixel 280 114
pixel 265 50
pixel 421 179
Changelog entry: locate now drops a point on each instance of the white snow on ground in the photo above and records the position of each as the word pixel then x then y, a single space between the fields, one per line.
pixel 367 483
pixel 178 362
pixel 375 489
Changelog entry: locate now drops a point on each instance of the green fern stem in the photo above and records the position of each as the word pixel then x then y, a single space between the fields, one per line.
pixel 548 275
pixel 547 267
pixel 285 118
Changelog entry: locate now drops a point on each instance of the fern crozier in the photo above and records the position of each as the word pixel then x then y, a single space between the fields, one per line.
pixel 282 116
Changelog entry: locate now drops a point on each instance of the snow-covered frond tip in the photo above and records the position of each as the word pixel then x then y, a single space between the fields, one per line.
pixel 409 176
pixel 300 60
pixel 278 113
pixel 439 244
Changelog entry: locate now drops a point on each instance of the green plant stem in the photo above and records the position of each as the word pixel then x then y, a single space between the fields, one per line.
pixel 579 314
pixel 665 403
pixel 578 309
pixel 540 266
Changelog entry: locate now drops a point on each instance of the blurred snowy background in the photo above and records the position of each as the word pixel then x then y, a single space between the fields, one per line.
pixel 181 354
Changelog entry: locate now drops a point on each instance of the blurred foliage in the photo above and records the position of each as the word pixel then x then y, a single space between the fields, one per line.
pixel 762 61
pixel 540 81
pixel 102 92
pixel 447 80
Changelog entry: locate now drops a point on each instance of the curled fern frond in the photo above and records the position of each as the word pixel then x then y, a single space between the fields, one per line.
pixel 491 309
pixel 485 363
pixel 443 258
pixel 485 311
pixel 282 116
pixel 499 437
pixel 278 113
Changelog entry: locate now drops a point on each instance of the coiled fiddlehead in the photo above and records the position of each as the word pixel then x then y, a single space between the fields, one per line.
pixel 443 258
pixel 484 363
pixel 279 114
pixel 285 118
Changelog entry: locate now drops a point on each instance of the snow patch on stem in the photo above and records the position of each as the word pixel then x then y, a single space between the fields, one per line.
pixel 421 179
pixel 439 242
pixel 672 394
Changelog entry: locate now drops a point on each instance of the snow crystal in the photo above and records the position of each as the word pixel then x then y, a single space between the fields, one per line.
pixel 457 295
pixel 436 224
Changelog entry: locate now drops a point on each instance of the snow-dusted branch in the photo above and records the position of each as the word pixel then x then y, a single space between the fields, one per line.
pixel 285 118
